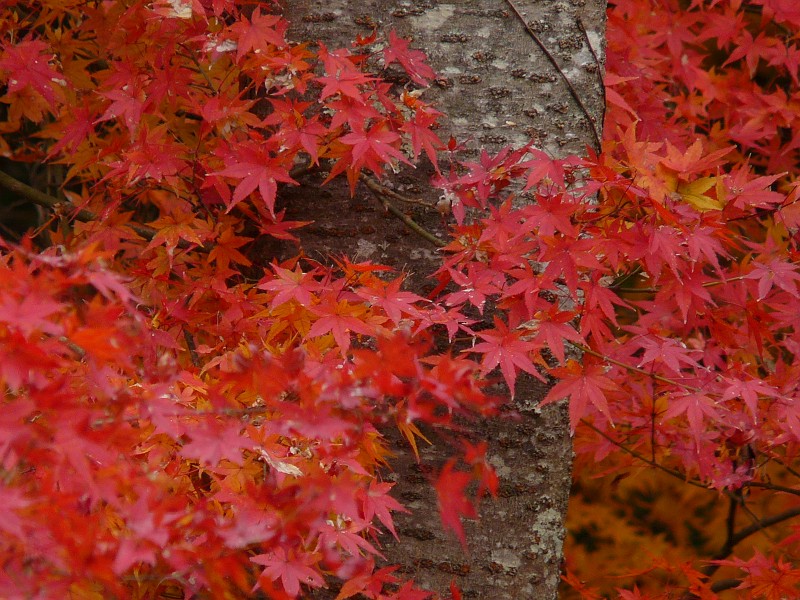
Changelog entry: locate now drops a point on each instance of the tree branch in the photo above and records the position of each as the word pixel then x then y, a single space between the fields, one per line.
pixel 38 197
pixel 733 540
pixel 382 193
pixel 746 532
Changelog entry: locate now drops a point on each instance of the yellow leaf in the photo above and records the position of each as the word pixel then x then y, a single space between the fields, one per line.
pixel 411 433
pixel 694 193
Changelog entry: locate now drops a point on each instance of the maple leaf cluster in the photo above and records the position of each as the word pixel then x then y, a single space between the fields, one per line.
pixel 697 194
pixel 177 416
pixel 208 423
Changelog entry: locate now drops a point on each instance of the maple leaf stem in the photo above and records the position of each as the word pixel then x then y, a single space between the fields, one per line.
pixel 651 290
pixel 554 62
pixel 627 290
pixel 381 194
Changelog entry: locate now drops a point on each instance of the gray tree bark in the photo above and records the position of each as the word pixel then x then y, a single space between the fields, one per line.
pixel 498 87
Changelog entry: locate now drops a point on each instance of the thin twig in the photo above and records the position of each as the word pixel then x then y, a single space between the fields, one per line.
pixel 773 487
pixel 376 186
pixel 733 540
pixel 585 33
pixel 644 459
pixel 651 290
pixel 573 92
pixel 192 347
pixel 787 467
pixel 759 525
pixel 730 525
pixel 381 193
pixel 631 368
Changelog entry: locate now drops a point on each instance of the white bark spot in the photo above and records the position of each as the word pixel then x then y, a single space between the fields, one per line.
pixel 434 18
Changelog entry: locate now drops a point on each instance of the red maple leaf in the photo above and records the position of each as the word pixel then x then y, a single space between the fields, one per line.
pixel 28 64
pixel 413 61
pixel 291 285
pixel 394 302
pixel 341 75
pixel 377 502
pixel 261 31
pixel 451 488
pixel 30 313
pixel 505 348
pixel 256 168
pixel 211 443
pixel 74 131
pixel 583 384
pixel 697 407
pixel 129 103
pixel 745 191
pixel 766 577
pixel 552 327
pixel 340 317
pixel 368 582
pixel 295 129
pixel 422 136
pixel 373 147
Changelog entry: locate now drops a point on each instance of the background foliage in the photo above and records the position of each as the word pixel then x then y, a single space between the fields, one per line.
pixel 711 88
pixel 187 412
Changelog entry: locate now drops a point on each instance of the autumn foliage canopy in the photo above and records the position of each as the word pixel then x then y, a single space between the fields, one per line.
pixel 183 416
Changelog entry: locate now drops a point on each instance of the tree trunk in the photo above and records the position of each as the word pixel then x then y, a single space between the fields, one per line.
pixel 497 87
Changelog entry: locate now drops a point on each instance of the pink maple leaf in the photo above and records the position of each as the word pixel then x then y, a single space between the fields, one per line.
pixel 775 272
pixel 291 285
